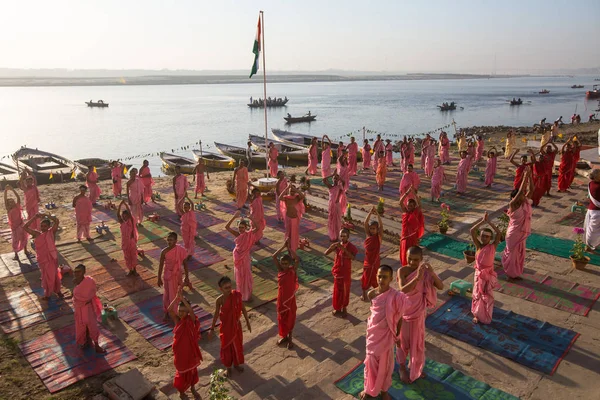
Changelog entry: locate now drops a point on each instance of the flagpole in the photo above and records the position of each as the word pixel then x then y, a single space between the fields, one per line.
pixel 262 43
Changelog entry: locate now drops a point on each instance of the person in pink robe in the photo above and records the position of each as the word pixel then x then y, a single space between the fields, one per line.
pixel 404 155
pixel 377 147
pixel 116 174
pixel 147 181
pixel 383 330
pixel 282 184
pixel 479 149
pixel 336 206
pixel 491 166
pixel 444 148
pixel 410 178
pixel 273 164
pixel 325 156
pixel 419 282
pixel 519 228
pixel 313 158
pixel 15 221
pixel 429 158
pixel 129 237
pixel 343 170
pixel 83 214
pixel 462 173
pixel 180 187
pixel 188 225
pixel 171 259
pixel 32 199
pixel 389 153
pixel 199 178
pixel 46 253
pixel 352 156
pixel 257 213
pixel 88 310
pixel 91 180
pixel 437 179
pixel 424 145
pixel 240 180
pixel 135 196
pixel 292 206
pixel 366 155
pixel 245 238
pixel 485 281
pixel 411 151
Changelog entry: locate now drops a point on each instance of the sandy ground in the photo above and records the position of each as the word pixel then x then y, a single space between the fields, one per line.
pixel 328 347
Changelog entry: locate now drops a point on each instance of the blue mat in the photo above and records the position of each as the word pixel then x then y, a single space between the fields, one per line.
pixel 527 341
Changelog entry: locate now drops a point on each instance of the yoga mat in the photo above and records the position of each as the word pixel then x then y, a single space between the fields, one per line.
pixel 572 219
pixel 59 362
pixel 311 268
pixel 6 234
pixel 442 382
pixel 11 267
pixel 201 258
pixel 104 214
pixel 527 341
pixel 113 282
pixel 203 220
pixel 225 240
pixel 551 292
pixel 227 208
pixel 306 225
pixel 76 252
pixel 444 245
pixel 22 308
pixel 146 317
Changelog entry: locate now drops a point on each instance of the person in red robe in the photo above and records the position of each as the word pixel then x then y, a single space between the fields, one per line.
pixel 566 168
pixel 88 309
pixel 550 151
pixel 345 252
pixel 374 231
pixel 229 309
pixel 32 198
pixel 187 356
pixel 520 168
pixel 287 285
pixel 413 223
pixel 539 177
pixel 147 181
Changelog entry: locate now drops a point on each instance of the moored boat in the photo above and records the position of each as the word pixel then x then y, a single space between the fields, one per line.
pixel 305 118
pixel 170 161
pixel 8 173
pixel 46 167
pixel 287 151
pixel 239 153
pixel 214 160
pixel 304 140
pixel 594 93
pixel 99 103
pixel 103 168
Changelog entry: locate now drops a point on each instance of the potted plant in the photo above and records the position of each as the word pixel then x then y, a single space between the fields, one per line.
pixel 503 224
pixel 445 221
pixel 578 257
pixel 304 183
pixel 469 253
pixel 380 209
pixel 348 218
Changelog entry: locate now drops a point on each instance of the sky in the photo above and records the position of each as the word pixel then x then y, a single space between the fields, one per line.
pixel 308 35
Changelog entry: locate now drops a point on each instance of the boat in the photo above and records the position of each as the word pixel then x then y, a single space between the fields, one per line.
pixel 214 160
pixel 103 168
pixel 239 153
pixel 8 173
pixel 447 106
pixel 594 93
pixel 287 151
pixel 577 87
pixel 170 161
pixel 516 102
pixel 545 91
pixel 305 118
pixel 271 103
pixel 304 140
pixel 99 103
pixel 43 165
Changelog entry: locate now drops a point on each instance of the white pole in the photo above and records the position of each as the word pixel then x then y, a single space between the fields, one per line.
pixel 262 43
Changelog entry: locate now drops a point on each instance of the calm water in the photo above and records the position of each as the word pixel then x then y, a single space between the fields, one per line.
pixel 144 119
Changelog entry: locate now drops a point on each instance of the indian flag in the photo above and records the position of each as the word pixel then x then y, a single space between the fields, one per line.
pixel 256 49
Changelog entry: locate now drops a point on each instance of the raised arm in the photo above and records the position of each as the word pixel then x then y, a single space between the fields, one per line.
pixel 498 235
pixel 417 198
pixel 402 198
pixel 228 226
pixel 368 219
pixel 245 313
pixel 512 159
pixel 277 253
pixel 408 286
pixel 474 229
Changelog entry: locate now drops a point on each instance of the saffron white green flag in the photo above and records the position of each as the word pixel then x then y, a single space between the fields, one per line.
pixel 256 49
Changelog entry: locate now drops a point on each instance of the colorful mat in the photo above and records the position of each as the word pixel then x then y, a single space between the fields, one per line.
pixel 225 240
pixel 442 382
pixel 11 267
pixel 312 266
pixel 59 362
pixel 359 242
pixel 203 220
pixel 22 308
pixel 444 245
pixel 551 292
pixel 201 258
pixel 113 282
pixel 572 219
pixel 146 317
pixel 6 234
pixel 76 252
pixel 227 208
pixel 306 224
pixel 527 341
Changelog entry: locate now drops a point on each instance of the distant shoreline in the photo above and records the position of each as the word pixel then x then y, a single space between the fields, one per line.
pixel 226 79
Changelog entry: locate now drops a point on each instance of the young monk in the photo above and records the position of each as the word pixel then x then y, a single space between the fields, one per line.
pixel 551 151
pixel 171 258
pixel 91 180
pixel 240 179
pixel 462 142
pixel 519 228
pixel 188 225
pixel 46 253
pixel 389 153
pixel 538 177
pixel 411 151
pixel 424 145
pixel 147 181
pixel 444 148
pixel 15 221
pixel 273 164
pixel 437 179
pixel 32 198
pixel 381 171
pixel 345 252
pixel 352 156
pixel 429 157
pixel 293 208
pixel 566 168
pixel 180 187
pixel 88 310
pixel 409 178
pixel 287 285
pixel 377 147
pixel 341 149
pixel 374 230
pixel 485 280
pixel 419 282
pixel 281 185
pixel 135 196
pixel 129 237
pixel 83 214
pixel 116 173
pixel 257 212
pixel 229 308
pixel 413 223
pixel 383 330
pixel 199 179
pixel 242 257
pixel 313 158
pixel 343 170
pixel 462 173
pixel 520 168
pixel 491 166
pixel 366 154
pixel 336 207
pixel 479 148
pixel 187 356
pixel 325 156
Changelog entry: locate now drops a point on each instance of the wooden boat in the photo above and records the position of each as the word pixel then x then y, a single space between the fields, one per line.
pixel 8 173
pixel 594 93
pixel 43 164
pixel 170 161
pixel 287 151
pixel 99 103
pixel 305 140
pixel 214 160
pixel 103 168
pixel 545 91
pixel 304 118
pixel 516 102
pixel 239 153
pixel 273 103
pixel 577 87
pixel 448 107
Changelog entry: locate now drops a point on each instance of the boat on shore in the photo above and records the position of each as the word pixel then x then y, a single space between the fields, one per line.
pixel 170 161
pixel 594 93
pixel 545 91
pixel 448 106
pixel 103 168
pixel 239 153
pixel 305 140
pixel 99 103
pixel 271 103
pixel 214 160
pixel 287 151
pixel 43 165
pixel 8 173
pixel 305 118
pixel 577 87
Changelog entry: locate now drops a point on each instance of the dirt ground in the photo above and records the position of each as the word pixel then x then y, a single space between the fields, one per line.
pixel 328 347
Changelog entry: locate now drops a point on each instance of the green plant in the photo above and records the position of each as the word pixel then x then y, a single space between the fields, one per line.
pixel 217 389
pixel 503 224
pixel 380 205
pixel 348 215
pixel 578 249
pixel 471 249
pixel 445 214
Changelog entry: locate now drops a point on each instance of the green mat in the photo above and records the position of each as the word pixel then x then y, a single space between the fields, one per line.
pixel 443 382
pixel 149 232
pixel 317 182
pixel 444 245
pixel 312 266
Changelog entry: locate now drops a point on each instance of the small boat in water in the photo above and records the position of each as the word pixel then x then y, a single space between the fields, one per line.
pixel 545 91
pixel 99 103
pixel 8 173
pixel 239 153
pixel 516 102
pixel 103 168
pixel 305 118
pixel 170 161
pixel 448 106
pixel 214 160
pixel 305 140
pixel 577 87
pixel 271 103
pixel 594 93
pixel 287 151
pixel 43 165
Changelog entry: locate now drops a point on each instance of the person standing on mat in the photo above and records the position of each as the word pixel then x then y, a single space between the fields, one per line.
pixel 171 259
pixel 491 167
pixel 180 187
pixel 462 173
pixel 374 230
pixel 129 237
pixel 345 252
pixel 273 164
pixel 83 214
pixel 520 168
pixel 116 174
pixel 240 180
pixel 15 221
pixel 245 238
pixel 147 181
pixel 32 198
pixel 336 206
pixel 409 179
pixel 382 168
pixel 419 282
pixel 287 285
pixel 377 147
pixel 366 154
pixel 519 228
pixel 281 185
pixel 91 180
pixel 188 225
pixel 566 169
pixel 444 148
pixel 592 216
pixel 199 179
pixel 413 223
pixel 135 196
pixel 486 280
pixel 88 310
pixel 292 206
pixel 257 212
pixel 551 152
pixel 313 158
pixel 389 153
pixel 325 156
pixel 437 179
pixel 352 156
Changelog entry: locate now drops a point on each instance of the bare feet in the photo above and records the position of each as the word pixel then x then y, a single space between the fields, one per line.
pixel 45 298
pixel 364 296
pixel 166 317
pixel 16 257
pixel 131 273
pixel 475 320
pixel 336 313
pixel 362 395
pixel 60 295
pixel 238 368
pixel 404 377
pixel 195 393
pixel 182 395
pixel 99 349
pixel 344 313
pixel 290 344
pixel 90 239
pixel 282 340
pixel 385 396
pixel 228 372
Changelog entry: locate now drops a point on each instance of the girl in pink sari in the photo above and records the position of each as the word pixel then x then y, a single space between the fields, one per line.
pixel 32 198
pixel 377 147
pixel 180 187
pixel 325 156
pixel 83 214
pixel 366 154
pixel 462 173
pixel 437 179
pixel 171 259
pixel 429 158
pixel 240 180
pixel 147 181
pixel 519 228
pixel 188 226
pixel 313 158
pixel 389 153
pixel 257 213
pixel 129 237
pixel 444 148
pixel 91 180
pixel 199 178
pixel 411 151
pixel 116 173
pixel 135 196
pixel 479 149
pixel 281 185
pixel 337 206
pixel 485 281
pixel 273 164
pixel 15 221
pixel 490 167
pixel 242 259
pixel 352 156
pixel 343 170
